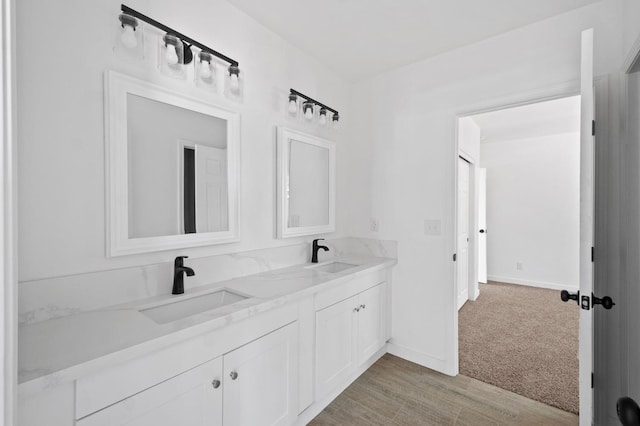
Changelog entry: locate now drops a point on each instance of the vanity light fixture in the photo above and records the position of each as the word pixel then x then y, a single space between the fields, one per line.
pixel 129 41
pixel 293 104
pixel 205 67
pixel 176 50
pixel 205 75
pixel 309 106
pixel 128 36
pixel 323 117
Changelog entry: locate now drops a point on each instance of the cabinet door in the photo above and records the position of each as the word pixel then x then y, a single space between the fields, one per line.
pixel 336 344
pixel 189 399
pixel 371 321
pixel 260 380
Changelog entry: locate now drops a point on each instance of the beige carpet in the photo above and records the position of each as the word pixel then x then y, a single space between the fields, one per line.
pixel 522 339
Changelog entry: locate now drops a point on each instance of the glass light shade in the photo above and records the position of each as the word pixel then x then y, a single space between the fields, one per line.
pixel 292 106
pixel 323 117
pixel 205 71
pixel 129 39
pixel 171 56
pixel 307 107
pixel 234 84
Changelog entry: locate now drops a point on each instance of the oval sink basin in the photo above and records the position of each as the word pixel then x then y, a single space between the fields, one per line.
pixel 174 311
pixel 333 267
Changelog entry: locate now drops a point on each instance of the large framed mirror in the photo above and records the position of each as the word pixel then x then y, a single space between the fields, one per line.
pixel 306 184
pixel 172 169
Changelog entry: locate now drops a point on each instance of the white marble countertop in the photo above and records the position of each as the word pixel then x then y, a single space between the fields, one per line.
pixel 63 349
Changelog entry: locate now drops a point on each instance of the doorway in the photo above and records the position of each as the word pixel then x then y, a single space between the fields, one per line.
pixel 530 155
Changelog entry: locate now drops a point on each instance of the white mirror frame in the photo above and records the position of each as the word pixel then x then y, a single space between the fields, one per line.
pixel 117 87
pixel 283 137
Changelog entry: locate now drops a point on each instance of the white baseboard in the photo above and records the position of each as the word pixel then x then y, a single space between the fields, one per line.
pixel 419 358
pixel 532 283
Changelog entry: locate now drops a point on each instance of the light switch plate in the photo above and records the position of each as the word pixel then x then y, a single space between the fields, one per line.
pixel 432 227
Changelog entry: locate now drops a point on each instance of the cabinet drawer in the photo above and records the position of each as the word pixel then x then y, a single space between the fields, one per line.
pixel 348 289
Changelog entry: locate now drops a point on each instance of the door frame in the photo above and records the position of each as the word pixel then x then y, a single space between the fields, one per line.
pixel 632 59
pixel 568 89
pixel 8 229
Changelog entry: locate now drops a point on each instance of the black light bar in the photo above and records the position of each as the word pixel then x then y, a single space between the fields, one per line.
pixel 190 41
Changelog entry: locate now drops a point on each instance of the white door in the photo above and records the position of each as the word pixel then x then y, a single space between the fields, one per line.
pixel 462 256
pixel 482 225
pixel 260 380
pixel 586 228
pixel 336 344
pixel 193 398
pixel 212 210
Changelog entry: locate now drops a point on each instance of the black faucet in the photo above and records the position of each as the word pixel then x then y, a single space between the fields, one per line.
pixel 178 274
pixel 315 248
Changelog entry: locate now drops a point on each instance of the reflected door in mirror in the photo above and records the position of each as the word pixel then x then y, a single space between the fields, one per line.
pixel 177 170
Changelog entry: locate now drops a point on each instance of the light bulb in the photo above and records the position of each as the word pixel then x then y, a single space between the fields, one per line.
pixel 293 106
pixel 234 83
pixel 205 69
pixel 323 116
pixel 128 37
pixel 308 112
pixel 171 55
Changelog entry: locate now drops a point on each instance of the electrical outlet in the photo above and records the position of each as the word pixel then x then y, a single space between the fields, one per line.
pixel 374 225
pixel 519 266
pixel 432 227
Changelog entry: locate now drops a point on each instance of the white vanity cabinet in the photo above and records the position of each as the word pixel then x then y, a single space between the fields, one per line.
pixel 347 334
pixel 260 380
pixel 254 384
pixel 193 398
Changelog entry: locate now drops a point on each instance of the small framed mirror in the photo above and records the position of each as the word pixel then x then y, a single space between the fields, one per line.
pixel 306 184
pixel 172 169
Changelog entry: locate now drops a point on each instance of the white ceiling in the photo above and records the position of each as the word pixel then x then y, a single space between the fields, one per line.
pixel 530 121
pixel 361 38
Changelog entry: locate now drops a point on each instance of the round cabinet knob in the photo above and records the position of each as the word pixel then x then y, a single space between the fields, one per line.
pixel 363 306
pixel 356 309
pixel 233 375
pixel 215 383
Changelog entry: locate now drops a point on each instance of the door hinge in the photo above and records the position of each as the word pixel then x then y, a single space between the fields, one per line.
pixel 592 380
pixel 593 127
pixel 454 257
pixel 593 254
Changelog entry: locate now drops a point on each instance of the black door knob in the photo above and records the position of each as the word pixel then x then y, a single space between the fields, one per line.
pixel 566 296
pixel 606 301
pixel 482 231
pixel 628 411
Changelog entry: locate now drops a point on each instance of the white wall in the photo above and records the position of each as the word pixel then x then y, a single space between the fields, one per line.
pixel 61 130
pixel 403 154
pixel 631 24
pixel 533 210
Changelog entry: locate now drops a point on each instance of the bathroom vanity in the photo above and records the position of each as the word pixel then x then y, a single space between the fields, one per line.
pixel 272 348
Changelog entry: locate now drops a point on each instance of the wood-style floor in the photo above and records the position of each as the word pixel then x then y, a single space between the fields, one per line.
pixel 397 392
